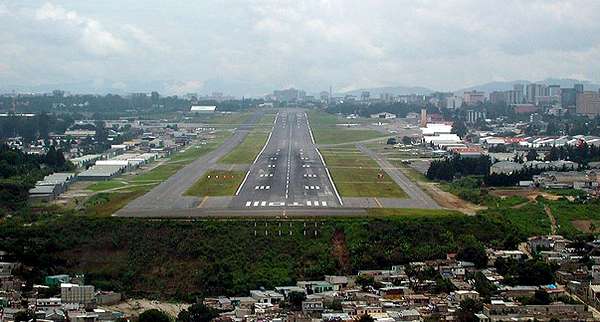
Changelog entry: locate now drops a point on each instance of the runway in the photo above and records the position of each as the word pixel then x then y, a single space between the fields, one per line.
pixel 288 178
pixel 289 172
pixel 168 195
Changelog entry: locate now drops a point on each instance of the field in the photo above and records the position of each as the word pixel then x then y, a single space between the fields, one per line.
pixel 574 218
pixel 217 183
pixel 357 175
pixel 325 131
pixel 247 151
pixel 116 193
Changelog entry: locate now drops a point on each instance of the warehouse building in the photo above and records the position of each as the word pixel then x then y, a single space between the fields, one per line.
pixel 51 186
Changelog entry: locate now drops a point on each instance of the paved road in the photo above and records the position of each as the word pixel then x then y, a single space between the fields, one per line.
pixel 169 194
pixel 418 198
pixel 289 171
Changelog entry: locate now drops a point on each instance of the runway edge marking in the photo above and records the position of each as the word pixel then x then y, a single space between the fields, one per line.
pixel 237 192
pixel 323 160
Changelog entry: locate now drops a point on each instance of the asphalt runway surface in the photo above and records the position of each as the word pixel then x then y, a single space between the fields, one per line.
pixel 168 195
pixel 289 172
pixel 288 178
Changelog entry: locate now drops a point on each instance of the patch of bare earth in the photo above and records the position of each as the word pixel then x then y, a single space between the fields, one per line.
pixel 526 193
pixel 448 200
pixel 586 225
pixel 133 307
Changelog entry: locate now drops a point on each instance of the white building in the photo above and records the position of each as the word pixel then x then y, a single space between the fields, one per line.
pixel 202 109
pixel 74 293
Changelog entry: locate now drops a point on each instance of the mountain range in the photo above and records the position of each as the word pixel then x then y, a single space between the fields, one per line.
pixel 252 89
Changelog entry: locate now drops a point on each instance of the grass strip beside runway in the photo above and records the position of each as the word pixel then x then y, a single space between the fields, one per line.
pixel 246 152
pixel 216 183
pixel 326 131
pixel 356 175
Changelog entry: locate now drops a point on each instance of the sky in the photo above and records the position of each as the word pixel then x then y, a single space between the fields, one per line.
pixel 252 47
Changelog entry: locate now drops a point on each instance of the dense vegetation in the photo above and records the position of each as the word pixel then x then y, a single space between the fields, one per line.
pixel 19 172
pixel 449 168
pixel 180 259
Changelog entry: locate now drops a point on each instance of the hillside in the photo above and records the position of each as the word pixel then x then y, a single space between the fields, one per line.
pixel 180 259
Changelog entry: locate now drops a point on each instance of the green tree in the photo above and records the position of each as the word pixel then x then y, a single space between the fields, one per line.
pixel 197 313
pixel 295 299
pixel 467 310
pixel 154 315
pixel 406 140
pixel 472 250
pixel 365 280
pixel 532 155
pixel 366 318
pixel 459 128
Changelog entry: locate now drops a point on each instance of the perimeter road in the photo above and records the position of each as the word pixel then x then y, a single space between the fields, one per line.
pixel 416 195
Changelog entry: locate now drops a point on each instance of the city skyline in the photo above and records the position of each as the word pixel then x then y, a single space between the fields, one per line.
pixel 308 45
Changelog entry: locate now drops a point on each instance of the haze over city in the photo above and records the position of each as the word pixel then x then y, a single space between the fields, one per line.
pixel 248 48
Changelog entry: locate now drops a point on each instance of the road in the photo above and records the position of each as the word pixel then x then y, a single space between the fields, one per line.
pixel 169 194
pixel 289 172
pixel 418 198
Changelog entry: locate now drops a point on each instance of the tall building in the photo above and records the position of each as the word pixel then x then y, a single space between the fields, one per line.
pixel 533 91
pixel 498 97
pixel 75 293
pixel 578 88
pixel 453 102
pixel 554 90
pixel 474 97
pixel 473 116
pixel 514 97
pixel 588 103
pixel 364 96
pixel 289 95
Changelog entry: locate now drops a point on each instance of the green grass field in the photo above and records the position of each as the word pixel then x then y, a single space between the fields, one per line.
pixel 246 152
pixel 106 203
pixel 106 185
pixel 217 183
pixel 356 175
pixel 325 131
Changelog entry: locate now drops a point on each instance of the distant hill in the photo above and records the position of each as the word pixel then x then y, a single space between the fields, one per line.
pixel 504 86
pixel 394 90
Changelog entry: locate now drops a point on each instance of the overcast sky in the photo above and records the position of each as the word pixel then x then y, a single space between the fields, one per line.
pixel 201 45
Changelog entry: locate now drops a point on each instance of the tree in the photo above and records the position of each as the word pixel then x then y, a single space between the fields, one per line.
pixel 197 313
pixel 154 315
pixel 406 140
pixel 459 128
pixel 553 155
pixel 532 155
pixel 295 299
pixel 472 251
pixel 366 318
pixel 23 316
pixel 467 310
pixel 365 280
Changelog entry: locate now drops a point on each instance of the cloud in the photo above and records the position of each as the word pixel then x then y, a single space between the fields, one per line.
pixel 144 38
pixel 93 36
pixel 253 47
pixel 184 87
